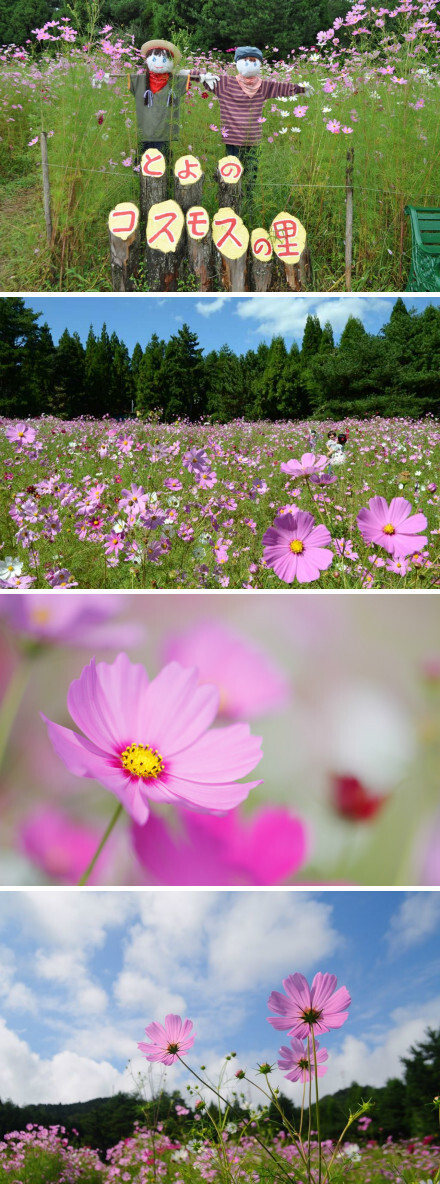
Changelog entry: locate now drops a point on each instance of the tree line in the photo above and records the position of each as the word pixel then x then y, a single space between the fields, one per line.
pixel 402 1109
pixel 211 24
pixel 395 372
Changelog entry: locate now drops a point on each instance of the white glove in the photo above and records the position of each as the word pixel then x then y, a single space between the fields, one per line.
pixel 209 80
pixel 307 86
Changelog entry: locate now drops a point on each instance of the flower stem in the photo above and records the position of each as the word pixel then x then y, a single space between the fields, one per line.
pixel 11 702
pixel 317 1109
pixel 106 835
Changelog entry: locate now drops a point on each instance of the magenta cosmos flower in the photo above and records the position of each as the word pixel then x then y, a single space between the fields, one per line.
pixel 306 467
pixel 265 848
pixel 150 741
pixel 80 619
pixel 20 433
pixel 167 1041
pixel 298 1062
pixel 296 548
pixel 302 1008
pixel 391 527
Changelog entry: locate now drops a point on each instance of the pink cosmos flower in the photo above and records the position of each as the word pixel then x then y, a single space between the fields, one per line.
pixel 299 1063
pixel 206 850
pixel 305 467
pixel 248 681
pixel 150 741
pixel 302 1007
pixel 59 846
pixel 20 433
pixel 296 548
pixel 166 1042
pixel 77 620
pixel 391 527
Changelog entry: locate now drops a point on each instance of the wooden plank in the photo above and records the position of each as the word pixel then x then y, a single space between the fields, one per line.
pixel 199 246
pixel 231 240
pixel 229 173
pixel 261 257
pixel 164 246
pixel 123 227
pixel 188 181
pixel 289 242
pixel 152 179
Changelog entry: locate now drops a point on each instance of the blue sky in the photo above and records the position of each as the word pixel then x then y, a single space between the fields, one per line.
pixel 81 974
pixel 240 322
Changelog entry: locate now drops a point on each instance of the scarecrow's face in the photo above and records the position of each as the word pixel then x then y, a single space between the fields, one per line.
pixel 248 67
pixel 159 61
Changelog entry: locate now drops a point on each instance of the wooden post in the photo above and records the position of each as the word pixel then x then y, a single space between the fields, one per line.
pixel 288 237
pixel 261 260
pixel 349 218
pixel 228 174
pixel 188 182
pixel 123 230
pixel 231 239
pixel 199 246
pixel 153 180
pixel 46 187
pixel 165 244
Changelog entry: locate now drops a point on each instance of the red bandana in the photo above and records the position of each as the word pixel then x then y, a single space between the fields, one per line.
pixel 158 81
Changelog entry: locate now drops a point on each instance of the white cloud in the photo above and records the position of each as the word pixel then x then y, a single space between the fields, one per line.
pixel 259 934
pixel 210 304
pixel 417 917
pixel 372 1063
pixel 287 315
pixel 15 995
pixel 73 920
pixel 67 1077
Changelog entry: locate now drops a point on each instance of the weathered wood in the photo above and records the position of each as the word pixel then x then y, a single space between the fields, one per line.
pixel 289 242
pixel 152 180
pixel 199 246
pixel 188 182
pixel 231 240
pixel 349 218
pixel 228 175
pixel 164 246
pixel 123 228
pixel 261 258
pixel 46 187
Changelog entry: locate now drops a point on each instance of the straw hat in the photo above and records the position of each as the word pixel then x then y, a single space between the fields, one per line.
pixel 158 44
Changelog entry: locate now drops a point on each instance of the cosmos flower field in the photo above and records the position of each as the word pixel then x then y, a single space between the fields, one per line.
pixel 41 1154
pixel 108 504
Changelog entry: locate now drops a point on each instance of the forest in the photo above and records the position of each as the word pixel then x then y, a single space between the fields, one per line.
pixel 395 372
pixel 402 1109
pixel 213 23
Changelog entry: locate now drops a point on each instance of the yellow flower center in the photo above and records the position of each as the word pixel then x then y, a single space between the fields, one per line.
pixel 40 616
pixel 141 761
pixel 388 528
pixel 297 546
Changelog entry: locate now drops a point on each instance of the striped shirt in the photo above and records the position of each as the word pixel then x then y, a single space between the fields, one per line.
pixel 240 112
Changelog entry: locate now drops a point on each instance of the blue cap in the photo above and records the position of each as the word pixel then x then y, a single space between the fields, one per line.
pixel 247 51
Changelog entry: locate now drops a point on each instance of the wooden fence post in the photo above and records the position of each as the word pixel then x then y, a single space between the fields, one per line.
pixel 229 173
pixel 261 260
pixel 349 218
pixel 164 248
pixel 288 237
pixel 199 246
pixel 188 182
pixel 46 187
pixel 231 240
pixel 153 180
pixel 123 228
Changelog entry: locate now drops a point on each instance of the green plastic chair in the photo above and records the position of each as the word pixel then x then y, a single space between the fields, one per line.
pixel 424 275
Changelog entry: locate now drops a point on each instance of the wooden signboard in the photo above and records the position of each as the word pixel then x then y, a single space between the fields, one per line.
pixel 188 181
pixel 199 245
pixel 289 243
pixel 123 227
pixel 153 180
pixel 165 243
pixel 261 260
pixel 231 239
pixel 229 174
